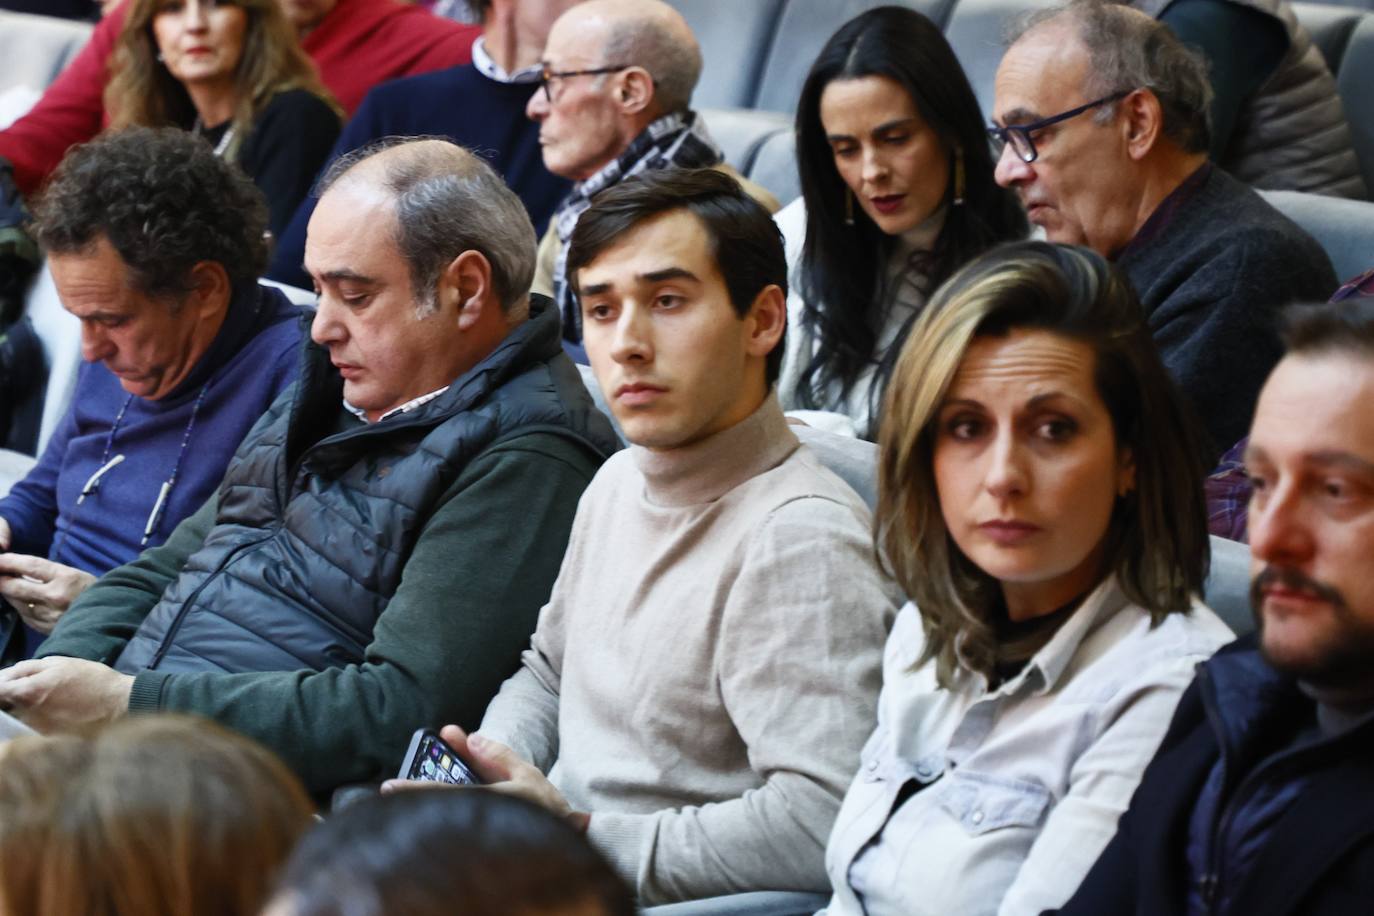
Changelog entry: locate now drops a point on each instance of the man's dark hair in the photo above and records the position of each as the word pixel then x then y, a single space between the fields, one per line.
pixel 164 201
pixel 432 853
pixel 1332 327
pixel 745 242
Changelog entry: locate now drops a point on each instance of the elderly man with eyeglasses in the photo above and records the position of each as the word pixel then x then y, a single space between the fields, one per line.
pixel 617 85
pixel 1102 118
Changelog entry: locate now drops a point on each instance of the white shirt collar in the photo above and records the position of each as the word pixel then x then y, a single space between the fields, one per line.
pixel 494 71
pixel 407 407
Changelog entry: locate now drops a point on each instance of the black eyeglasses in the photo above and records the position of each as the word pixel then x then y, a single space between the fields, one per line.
pixel 1019 135
pixel 547 76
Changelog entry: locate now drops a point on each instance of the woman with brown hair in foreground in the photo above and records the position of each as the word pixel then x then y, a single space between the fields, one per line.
pixel 153 816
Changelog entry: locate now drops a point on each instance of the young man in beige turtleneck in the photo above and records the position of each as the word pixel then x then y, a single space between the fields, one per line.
pixel 707 668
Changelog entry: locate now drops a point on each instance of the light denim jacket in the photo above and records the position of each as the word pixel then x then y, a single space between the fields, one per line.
pixel 1023 785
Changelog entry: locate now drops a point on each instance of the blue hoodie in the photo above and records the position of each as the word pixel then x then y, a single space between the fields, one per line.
pixel 252 358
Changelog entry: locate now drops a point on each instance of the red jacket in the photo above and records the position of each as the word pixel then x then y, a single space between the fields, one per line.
pixel 359 44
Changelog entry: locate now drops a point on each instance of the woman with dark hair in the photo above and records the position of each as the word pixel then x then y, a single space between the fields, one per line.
pixel 897 194
pixel 434 853
pixel 233 72
pixel 1040 501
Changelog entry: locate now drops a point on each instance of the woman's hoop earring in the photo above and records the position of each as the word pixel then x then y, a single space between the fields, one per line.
pixel 849 207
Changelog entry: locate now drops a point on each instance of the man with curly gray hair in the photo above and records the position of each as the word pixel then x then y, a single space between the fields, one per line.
pixel 155 244
pixel 1102 117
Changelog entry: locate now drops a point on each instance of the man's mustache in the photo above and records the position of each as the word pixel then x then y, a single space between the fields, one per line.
pixel 1292 579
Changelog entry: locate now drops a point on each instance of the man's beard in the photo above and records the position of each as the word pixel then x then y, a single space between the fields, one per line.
pixel 1344 659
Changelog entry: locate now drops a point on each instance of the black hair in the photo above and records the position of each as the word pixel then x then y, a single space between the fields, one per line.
pixel 842 274
pixel 745 242
pixel 431 853
pixel 164 201
pixel 1343 326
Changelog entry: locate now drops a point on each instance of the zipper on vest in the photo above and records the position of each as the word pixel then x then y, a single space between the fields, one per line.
pixel 191 599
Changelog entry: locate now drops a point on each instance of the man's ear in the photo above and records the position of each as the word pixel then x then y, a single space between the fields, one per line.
pixel 465 288
pixel 210 288
pixel 635 91
pixel 1143 118
pixel 767 320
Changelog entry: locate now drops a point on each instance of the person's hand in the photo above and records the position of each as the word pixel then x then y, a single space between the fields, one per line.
pixel 64 694
pixel 501 770
pixel 40 590
pixel 5 535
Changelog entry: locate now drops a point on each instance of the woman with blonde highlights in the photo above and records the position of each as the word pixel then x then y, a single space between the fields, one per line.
pixel 233 72
pixel 154 816
pixel 1040 500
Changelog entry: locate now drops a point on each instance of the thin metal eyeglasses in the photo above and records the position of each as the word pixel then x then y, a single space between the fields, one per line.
pixel 547 76
pixel 1019 135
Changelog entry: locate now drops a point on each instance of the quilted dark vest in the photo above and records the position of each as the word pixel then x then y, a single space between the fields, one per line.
pixel 314 527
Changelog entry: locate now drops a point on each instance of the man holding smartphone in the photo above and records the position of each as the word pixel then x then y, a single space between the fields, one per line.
pixel 382 542
pixel 707 668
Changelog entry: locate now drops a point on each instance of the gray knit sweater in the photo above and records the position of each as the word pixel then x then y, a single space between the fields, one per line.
pixel 1214 265
pixel 707 668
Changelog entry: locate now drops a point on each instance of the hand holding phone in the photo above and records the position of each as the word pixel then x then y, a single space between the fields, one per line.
pixel 430 759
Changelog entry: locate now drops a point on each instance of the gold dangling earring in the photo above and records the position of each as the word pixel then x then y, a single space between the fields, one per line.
pixel 848 207
pixel 958 176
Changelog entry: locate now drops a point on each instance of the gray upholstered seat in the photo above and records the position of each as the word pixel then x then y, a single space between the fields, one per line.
pixel 60 333
pixel 975 32
pixel 759 903
pixel 802 29
pixel 735 38
pixel 741 132
pixel 775 167
pixel 1227 590
pixel 34 49
pixel 1330 28
pixel 1345 228
pixel 1355 82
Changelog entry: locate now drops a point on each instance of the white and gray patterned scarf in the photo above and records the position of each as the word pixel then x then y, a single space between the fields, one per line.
pixel 679 140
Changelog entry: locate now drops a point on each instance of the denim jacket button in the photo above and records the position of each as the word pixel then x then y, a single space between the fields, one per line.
pixel 976 817
pixel 872 764
pixel 923 772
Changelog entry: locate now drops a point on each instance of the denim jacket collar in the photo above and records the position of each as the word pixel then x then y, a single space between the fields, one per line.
pixel 1049 664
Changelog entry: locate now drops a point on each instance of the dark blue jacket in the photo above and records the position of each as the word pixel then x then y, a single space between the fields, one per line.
pixel 315 527
pixel 461 104
pixel 1295 834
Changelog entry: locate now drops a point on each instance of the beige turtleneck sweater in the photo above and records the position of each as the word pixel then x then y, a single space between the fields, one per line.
pixel 707 667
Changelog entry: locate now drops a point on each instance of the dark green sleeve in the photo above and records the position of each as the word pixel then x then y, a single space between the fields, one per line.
pixel 102 620
pixel 467 603
pixel 1243 47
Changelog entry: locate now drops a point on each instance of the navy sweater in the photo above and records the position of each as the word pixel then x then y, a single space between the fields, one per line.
pixel 461 104
pixel 252 358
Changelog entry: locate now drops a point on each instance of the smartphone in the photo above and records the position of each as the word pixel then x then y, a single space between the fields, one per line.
pixel 430 759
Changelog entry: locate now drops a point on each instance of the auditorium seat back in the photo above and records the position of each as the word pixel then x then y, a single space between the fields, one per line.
pixel 34 49
pixel 1355 81
pixel 1345 228
pixel 803 27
